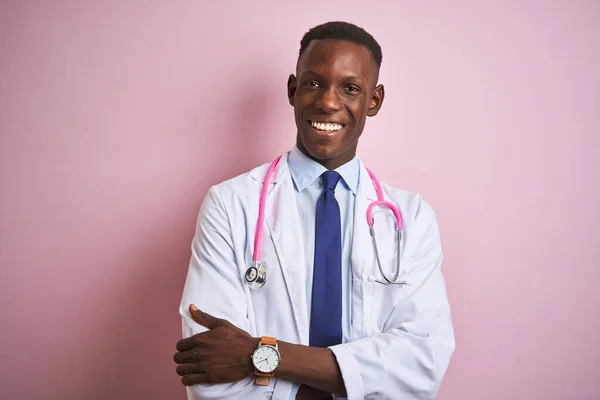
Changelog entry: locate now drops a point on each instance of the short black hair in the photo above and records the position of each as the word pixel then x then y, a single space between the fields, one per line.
pixel 339 30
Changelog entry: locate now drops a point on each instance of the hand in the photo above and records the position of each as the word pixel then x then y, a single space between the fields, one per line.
pixel 219 355
pixel 310 393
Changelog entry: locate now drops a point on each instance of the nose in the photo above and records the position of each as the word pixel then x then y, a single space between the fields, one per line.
pixel 328 100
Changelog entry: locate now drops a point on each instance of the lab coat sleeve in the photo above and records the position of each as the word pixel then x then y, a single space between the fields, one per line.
pixel 409 357
pixel 214 285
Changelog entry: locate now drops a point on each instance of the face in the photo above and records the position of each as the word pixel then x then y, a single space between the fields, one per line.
pixel 333 92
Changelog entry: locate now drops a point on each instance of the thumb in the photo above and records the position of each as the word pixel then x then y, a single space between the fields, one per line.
pixel 203 318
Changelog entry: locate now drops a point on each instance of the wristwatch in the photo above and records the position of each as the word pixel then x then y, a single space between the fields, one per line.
pixel 265 358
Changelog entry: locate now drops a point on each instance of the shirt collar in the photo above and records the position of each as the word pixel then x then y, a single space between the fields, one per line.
pixel 305 171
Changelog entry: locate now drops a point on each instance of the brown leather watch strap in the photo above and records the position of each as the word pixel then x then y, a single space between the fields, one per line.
pixel 268 340
pixel 262 379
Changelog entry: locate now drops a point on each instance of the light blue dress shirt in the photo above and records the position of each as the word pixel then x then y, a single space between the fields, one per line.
pixel 306 175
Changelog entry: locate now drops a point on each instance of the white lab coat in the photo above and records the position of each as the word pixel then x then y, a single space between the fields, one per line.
pixel 402 336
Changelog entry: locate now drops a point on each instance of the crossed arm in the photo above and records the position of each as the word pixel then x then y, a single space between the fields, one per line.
pixel 214 358
pixel 222 355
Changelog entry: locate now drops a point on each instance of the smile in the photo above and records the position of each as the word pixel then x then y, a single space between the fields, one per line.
pixel 326 126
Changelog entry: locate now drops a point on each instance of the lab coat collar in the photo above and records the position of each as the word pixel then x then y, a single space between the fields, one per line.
pixel 282 171
pixel 365 185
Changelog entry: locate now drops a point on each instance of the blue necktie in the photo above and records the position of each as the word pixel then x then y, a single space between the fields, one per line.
pixel 326 307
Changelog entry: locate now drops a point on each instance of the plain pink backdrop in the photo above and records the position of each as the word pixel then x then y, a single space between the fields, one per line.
pixel 116 116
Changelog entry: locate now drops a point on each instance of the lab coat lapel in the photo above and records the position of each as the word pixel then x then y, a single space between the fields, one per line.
pixel 361 256
pixel 361 251
pixel 281 215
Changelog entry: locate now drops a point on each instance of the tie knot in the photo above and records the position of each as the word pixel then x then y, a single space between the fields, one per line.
pixel 330 179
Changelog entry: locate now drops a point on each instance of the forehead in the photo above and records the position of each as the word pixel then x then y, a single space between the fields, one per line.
pixel 337 57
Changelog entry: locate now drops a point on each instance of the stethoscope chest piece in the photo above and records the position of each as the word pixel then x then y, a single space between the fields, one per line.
pixel 256 275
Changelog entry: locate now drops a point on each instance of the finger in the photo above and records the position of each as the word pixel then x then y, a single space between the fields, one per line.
pixel 204 319
pixel 189 356
pixel 189 343
pixel 189 369
pixel 194 379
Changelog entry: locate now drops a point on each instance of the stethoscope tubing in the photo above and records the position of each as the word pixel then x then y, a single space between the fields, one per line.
pixel 256 255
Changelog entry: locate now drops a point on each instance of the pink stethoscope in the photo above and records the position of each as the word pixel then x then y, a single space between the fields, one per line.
pixel 256 275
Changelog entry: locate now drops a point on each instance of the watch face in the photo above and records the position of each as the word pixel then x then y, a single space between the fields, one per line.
pixel 266 359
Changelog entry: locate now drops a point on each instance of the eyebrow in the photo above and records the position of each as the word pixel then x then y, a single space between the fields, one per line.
pixel 347 77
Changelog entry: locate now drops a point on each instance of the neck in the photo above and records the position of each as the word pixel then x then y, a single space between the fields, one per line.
pixel 330 163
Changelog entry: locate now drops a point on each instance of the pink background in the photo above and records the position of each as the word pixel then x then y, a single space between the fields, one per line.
pixel 117 116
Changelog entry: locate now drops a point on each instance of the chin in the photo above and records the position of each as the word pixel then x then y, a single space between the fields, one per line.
pixel 321 151
pixel 325 153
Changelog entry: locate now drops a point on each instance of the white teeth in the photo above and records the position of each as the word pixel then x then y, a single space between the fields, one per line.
pixel 326 126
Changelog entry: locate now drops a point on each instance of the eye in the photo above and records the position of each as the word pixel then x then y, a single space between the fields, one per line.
pixel 352 88
pixel 313 84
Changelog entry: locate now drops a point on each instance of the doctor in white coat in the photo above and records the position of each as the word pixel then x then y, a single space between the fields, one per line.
pixel 241 341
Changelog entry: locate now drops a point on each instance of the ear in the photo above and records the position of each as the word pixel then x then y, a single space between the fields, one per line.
pixel 291 88
pixel 376 101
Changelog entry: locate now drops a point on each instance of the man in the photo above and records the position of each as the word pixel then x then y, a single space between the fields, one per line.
pixel 325 321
